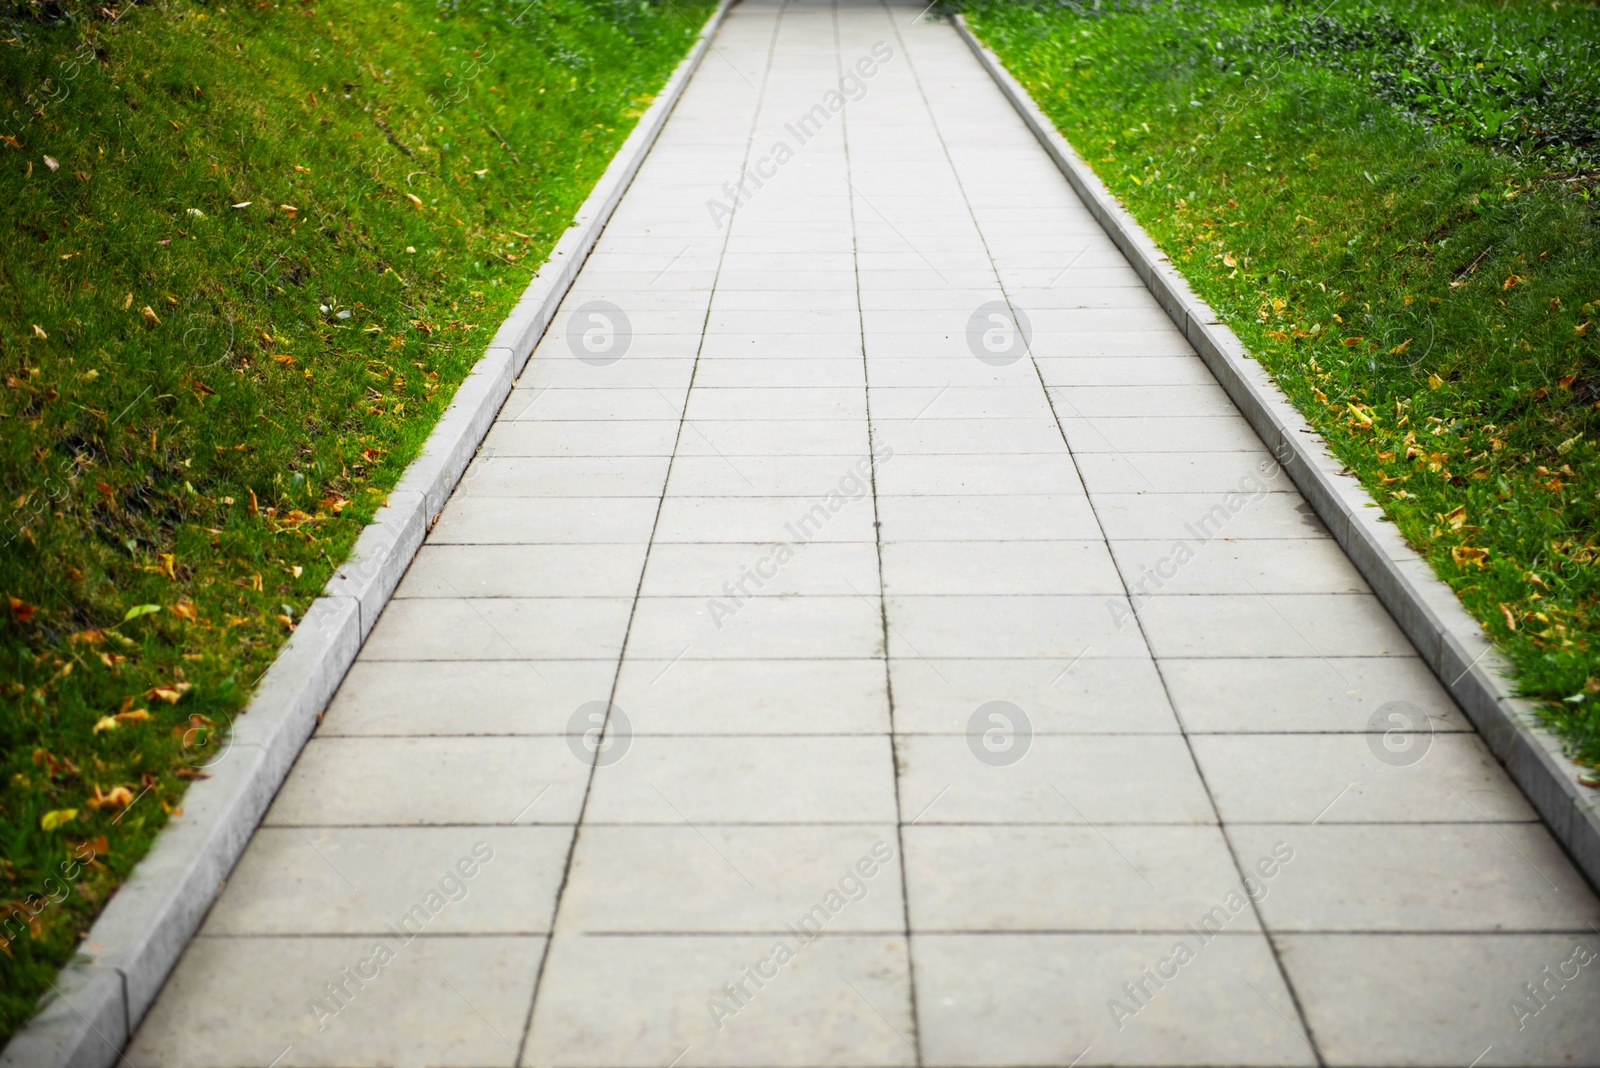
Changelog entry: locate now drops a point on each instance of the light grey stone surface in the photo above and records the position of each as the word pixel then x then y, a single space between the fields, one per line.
pixel 1013 999
pixel 640 1001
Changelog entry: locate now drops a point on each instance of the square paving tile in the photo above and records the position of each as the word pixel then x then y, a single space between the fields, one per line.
pixel 1285 565
pixel 1384 999
pixel 524 571
pixel 1218 473
pixel 564 476
pixel 700 781
pixel 534 521
pixel 689 696
pixel 1227 432
pixel 1352 778
pixel 1025 1000
pixel 1303 693
pixel 1051 778
pixel 1078 694
pixel 250 1001
pixel 734 879
pixel 365 880
pixel 758 402
pixel 977 475
pixel 1055 517
pixel 772 476
pixel 798 519
pixel 735 570
pixel 1014 567
pixel 641 1001
pixel 1010 878
pixel 1052 627
pixel 500 628
pixel 655 436
pixel 1420 877
pixel 1198 518
pixel 423 781
pixel 723 628
pixel 431 697
pixel 1270 625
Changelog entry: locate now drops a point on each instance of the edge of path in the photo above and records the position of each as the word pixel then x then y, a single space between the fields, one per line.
pixel 1449 640
pixel 100 998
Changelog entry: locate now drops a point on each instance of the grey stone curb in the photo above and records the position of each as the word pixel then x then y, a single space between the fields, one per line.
pixel 1448 639
pixel 99 999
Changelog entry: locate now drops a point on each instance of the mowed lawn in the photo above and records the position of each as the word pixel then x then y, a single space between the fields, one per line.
pixel 249 251
pixel 1394 204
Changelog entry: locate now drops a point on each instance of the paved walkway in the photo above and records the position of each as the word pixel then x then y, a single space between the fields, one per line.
pixel 974 702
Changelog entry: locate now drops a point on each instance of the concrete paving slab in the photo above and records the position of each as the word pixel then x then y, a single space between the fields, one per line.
pixel 1029 999
pixel 1123 878
pixel 996 772
pixel 639 1002
pixel 728 879
pixel 1420 877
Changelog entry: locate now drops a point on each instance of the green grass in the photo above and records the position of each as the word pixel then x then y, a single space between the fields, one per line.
pixel 1394 206
pixel 249 251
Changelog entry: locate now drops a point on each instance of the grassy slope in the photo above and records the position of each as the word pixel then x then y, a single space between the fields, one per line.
pixel 406 167
pixel 1394 205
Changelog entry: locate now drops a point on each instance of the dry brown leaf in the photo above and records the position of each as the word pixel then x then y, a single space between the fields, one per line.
pixel 117 797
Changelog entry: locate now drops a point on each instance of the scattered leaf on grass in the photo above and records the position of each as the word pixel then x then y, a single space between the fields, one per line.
pixel 170 694
pixel 56 817
pixel 21 610
pixel 116 797
pixel 140 610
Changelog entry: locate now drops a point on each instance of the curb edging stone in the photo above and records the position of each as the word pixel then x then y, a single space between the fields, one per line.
pixel 1447 638
pixel 100 998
